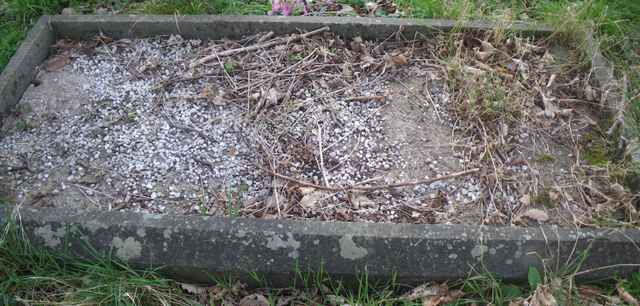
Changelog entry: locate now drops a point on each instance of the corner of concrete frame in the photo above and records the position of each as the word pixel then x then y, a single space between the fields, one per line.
pixel 22 67
pixel 191 248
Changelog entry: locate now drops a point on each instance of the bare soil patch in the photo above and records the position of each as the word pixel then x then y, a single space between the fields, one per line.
pixel 454 128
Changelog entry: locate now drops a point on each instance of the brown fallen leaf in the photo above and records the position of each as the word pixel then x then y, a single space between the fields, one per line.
pixel 57 62
pixel 525 200
pixel 310 197
pixel 517 302
pixel 483 55
pixel 627 297
pixel 431 301
pixel 536 215
pixel 193 289
pixel 214 95
pixel 542 297
pixel 487 46
pixel 254 300
pixel 395 60
pixel 273 95
pixel 422 291
pixel 452 296
pixel 551 110
pixel 335 300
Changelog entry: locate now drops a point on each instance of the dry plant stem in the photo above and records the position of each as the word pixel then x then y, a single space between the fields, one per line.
pixel 431 102
pixel 373 188
pixel 186 128
pixel 322 169
pixel 366 98
pixel 291 39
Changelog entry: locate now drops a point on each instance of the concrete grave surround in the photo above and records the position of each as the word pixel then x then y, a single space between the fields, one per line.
pixel 191 248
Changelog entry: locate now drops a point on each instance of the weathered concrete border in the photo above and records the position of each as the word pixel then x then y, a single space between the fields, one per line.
pixel 21 70
pixel 193 246
pixel 215 27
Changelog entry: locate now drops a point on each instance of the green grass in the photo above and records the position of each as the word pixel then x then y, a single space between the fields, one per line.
pixel 34 276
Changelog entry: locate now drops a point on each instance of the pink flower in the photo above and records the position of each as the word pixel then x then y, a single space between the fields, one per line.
pixel 286 7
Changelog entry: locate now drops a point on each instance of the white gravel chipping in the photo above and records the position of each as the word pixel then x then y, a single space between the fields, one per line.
pixel 104 133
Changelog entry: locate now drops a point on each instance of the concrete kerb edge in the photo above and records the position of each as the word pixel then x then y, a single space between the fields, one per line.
pixel 614 103
pixel 208 245
pixel 22 68
pixel 192 247
pixel 214 27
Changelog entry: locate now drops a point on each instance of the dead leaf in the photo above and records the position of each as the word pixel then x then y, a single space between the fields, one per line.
pixel 487 46
pixel 396 60
pixel 57 62
pixel 297 48
pixel 589 93
pixel 627 297
pixel 431 301
pixel 347 71
pixel 254 300
pixel 536 215
pixel 517 302
pixel 548 59
pixel 357 45
pixel 525 200
pixel 214 95
pixel 423 291
pixel 551 110
pixel 362 201
pixel 473 70
pixel 335 300
pixel 523 68
pixel 587 292
pixel 273 96
pixel 542 297
pixel 310 197
pixel 483 55
pixel 452 296
pixel 368 61
pixel 193 289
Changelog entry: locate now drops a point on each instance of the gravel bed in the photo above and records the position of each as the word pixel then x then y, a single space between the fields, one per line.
pixel 136 125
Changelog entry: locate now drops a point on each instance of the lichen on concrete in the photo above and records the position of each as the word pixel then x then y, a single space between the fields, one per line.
pixel 275 242
pixel 93 226
pixel 141 232
pixel 52 238
pixel 127 249
pixel 350 250
pixel 479 250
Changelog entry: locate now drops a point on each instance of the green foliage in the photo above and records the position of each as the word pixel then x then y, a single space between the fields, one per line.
pixel 44 277
pixel 534 278
pixel 229 67
pixel 23 125
pixel 234 199
pixel 543 197
pixel 487 289
pixel 545 158
pixel 632 284
pixel 10 36
pixel 171 7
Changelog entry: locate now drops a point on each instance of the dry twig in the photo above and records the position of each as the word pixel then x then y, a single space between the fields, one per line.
pixel 373 188
pixel 272 43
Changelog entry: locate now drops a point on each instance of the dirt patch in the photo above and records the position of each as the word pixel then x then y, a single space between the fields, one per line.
pixel 308 126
